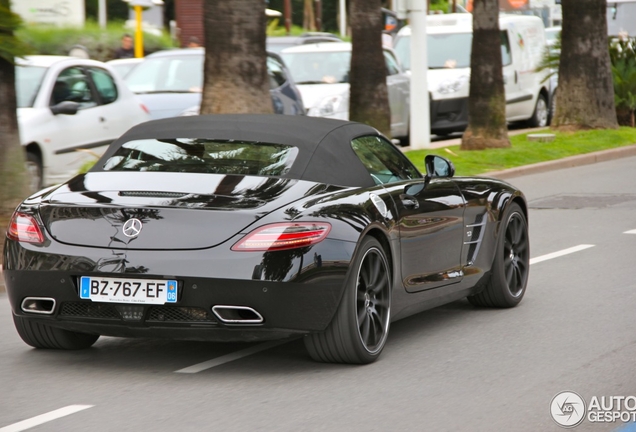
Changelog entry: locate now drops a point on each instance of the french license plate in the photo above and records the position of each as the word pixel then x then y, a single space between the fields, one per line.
pixel 139 291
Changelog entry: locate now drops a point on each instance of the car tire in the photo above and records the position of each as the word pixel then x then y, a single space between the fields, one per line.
pixel 40 335
pixel 34 170
pixel 506 285
pixel 541 113
pixel 359 329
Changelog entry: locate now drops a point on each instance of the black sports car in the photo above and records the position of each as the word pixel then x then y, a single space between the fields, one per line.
pixel 255 227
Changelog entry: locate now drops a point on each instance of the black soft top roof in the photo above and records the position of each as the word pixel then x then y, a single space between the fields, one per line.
pixel 324 150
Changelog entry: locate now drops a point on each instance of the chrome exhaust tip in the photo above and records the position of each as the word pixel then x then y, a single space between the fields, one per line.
pixel 38 305
pixel 237 314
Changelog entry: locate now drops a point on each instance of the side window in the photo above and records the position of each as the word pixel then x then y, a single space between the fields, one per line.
pixel 506 58
pixel 385 163
pixel 105 85
pixel 73 84
pixel 276 73
pixel 391 65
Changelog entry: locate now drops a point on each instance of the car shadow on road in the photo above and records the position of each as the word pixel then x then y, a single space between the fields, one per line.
pixel 156 356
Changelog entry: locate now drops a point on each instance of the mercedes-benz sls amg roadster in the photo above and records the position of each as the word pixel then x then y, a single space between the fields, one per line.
pixel 259 227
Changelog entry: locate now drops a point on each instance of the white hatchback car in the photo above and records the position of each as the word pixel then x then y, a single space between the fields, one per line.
pixel 321 72
pixel 69 110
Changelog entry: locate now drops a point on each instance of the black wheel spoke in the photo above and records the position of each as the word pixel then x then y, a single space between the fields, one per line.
pixel 382 304
pixel 365 327
pixel 509 274
pixel 375 270
pixel 373 338
pixel 379 286
pixel 516 230
pixel 522 246
pixel 360 295
pixel 523 266
pixel 364 278
pixel 362 315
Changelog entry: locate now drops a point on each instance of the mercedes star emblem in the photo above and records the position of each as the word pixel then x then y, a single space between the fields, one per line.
pixel 132 227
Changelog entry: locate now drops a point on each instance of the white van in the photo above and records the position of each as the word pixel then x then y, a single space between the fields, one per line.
pixel 449 45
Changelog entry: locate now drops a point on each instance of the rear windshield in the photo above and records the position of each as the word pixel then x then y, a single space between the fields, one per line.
pixel 203 156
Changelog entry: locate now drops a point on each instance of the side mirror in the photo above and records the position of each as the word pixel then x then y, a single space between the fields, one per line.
pixel 437 166
pixel 65 107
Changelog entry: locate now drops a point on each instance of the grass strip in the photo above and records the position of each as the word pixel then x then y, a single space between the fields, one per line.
pixel 524 152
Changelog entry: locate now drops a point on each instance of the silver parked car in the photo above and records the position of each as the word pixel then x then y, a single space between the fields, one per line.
pixel 170 83
pixel 321 72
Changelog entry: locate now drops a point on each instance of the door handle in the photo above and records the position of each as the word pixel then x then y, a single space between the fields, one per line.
pixel 409 201
pixel 516 78
pixel 102 119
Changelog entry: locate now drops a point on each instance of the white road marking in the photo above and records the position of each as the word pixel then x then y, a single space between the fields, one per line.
pixel 560 253
pixel 630 232
pixel 229 357
pixel 44 418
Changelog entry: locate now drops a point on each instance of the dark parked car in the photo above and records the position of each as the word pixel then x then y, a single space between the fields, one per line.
pixel 170 82
pixel 256 227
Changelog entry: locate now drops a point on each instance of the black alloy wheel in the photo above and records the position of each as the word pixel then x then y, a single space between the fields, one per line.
pixel 506 285
pixel 373 299
pixel 516 254
pixel 359 330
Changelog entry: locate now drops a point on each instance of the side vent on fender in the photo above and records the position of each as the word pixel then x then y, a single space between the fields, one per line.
pixel 477 230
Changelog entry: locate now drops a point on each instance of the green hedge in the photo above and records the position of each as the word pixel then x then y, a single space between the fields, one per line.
pixel 100 43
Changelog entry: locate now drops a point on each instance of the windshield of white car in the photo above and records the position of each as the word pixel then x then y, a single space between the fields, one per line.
pixel 203 156
pixel 445 51
pixel 170 74
pixel 27 84
pixel 318 67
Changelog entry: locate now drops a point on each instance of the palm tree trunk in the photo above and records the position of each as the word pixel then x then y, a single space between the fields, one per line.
pixel 487 100
pixel 309 20
pixel 13 179
pixel 586 94
pixel 369 98
pixel 235 72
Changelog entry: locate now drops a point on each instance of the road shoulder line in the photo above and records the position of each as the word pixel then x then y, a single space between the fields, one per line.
pixel 44 418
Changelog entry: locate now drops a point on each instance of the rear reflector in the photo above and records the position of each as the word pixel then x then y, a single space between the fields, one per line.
pixel 24 228
pixel 281 236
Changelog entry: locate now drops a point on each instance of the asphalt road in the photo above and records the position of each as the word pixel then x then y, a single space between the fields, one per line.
pixel 454 368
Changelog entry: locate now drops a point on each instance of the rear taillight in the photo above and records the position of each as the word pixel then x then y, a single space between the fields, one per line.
pixel 281 236
pixel 24 228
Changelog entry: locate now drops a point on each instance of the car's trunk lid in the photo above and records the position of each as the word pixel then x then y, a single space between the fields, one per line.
pixel 176 210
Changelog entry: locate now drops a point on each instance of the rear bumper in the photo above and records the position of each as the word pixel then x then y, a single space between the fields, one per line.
pixel 301 300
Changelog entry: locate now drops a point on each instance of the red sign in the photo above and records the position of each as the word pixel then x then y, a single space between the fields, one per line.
pixel 504 5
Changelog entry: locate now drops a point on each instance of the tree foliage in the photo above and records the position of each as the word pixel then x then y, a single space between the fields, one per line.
pixel 623 56
pixel 10 46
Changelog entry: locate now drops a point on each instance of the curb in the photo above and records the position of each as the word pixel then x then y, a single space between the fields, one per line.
pixel 568 162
